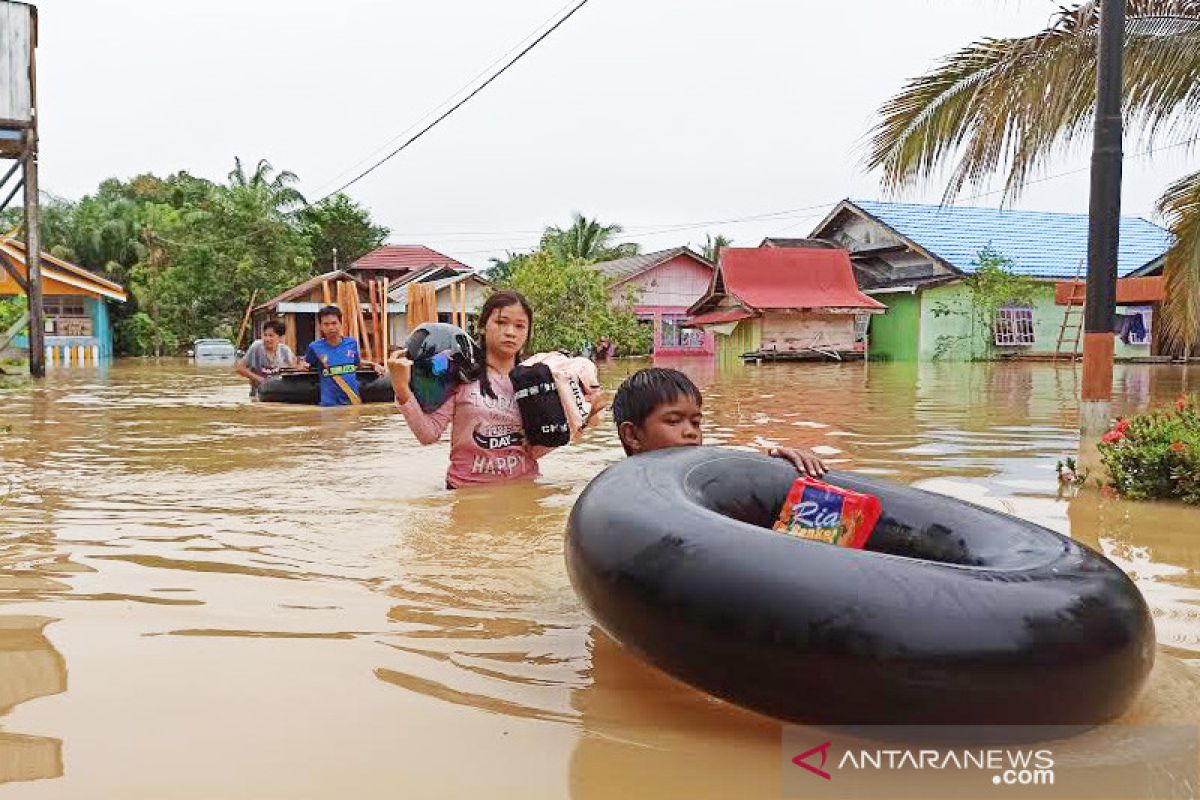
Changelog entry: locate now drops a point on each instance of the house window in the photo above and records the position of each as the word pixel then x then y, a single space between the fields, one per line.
pixel 62 306
pixel 676 334
pixel 1014 327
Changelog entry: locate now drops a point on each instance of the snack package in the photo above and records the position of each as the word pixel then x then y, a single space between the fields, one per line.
pixel 826 513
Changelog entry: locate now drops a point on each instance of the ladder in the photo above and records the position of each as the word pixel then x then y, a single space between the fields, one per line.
pixel 1072 322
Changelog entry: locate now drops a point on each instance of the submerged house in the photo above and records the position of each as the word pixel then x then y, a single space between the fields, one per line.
pixel 788 302
pixel 456 290
pixel 393 261
pixel 74 301
pixel 666 283
pixel 917 258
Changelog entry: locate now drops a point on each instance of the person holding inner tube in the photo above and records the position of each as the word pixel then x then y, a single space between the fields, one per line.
pixel 337 359
pixel 487 440
pixel 266 357
pixel 656 408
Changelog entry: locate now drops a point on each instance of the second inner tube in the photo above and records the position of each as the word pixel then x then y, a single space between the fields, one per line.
pixel 954 614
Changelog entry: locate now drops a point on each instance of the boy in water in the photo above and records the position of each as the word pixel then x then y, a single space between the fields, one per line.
pixel 657 408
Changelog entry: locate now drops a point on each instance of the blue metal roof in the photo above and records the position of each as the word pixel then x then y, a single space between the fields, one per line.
pixel 1041 244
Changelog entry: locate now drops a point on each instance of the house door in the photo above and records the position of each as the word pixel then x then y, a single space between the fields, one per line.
pixel 306 332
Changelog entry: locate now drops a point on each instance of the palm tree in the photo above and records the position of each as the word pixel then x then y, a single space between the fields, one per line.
pixel 713 245
pixel 1008 105
pixel 278 188
pixel 587 240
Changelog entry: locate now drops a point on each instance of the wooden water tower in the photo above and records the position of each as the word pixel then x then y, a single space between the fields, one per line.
pixel 19 144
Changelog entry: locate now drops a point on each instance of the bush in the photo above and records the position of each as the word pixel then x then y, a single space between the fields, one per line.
pixel 1156 455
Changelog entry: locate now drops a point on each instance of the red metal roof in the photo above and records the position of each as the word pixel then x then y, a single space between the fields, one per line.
pixel 717 317
pixel 403 257
pixel 1130 291
pixel 784 277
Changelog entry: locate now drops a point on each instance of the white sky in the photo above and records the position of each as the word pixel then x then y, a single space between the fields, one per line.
pixel 650 113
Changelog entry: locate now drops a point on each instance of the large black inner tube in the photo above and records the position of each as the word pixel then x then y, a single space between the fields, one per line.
pixel 302 388
pixel 953 614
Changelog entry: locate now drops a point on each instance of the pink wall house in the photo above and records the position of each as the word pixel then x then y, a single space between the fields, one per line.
pixel 668 282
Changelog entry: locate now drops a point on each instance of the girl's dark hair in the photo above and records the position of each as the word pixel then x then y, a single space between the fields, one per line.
pixel 275 325
pixel 496 301
pixel 646 390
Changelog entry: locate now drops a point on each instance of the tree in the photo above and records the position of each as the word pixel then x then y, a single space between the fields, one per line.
pixel 279 188
pixel 571 306
pixel 587 240
pixel 338 223
pixel 1008 105
pixel 713 245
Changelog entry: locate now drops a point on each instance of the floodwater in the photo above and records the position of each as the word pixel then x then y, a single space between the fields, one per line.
pixel 202 597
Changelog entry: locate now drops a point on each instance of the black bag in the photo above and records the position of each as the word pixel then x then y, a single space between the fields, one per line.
pixel 541 409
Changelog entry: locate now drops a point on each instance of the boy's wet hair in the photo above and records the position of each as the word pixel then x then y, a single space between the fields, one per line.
pixel 646 390
pixel 329 311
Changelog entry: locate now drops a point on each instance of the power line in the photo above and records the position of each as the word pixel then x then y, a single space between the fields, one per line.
pixel 449 98
pixel 457 105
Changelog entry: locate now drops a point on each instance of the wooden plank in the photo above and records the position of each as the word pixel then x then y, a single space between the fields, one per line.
pixel 325 291
pixel 246 319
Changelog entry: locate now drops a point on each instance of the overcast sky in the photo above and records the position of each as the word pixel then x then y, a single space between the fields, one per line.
pixel 652 113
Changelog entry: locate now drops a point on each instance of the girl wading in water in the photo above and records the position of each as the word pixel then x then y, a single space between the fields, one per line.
pixel 487 442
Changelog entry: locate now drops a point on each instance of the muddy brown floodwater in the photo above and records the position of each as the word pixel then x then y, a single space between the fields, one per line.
pixel 202 597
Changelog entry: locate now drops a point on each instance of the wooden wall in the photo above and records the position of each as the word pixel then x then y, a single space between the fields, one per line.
pixel 798 331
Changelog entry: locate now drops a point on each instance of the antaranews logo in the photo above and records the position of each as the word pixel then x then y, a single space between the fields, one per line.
pixel 1007 766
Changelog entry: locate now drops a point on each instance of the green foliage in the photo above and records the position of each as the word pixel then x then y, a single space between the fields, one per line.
pixel 192 252
pixel 992 287
pixel 571 306
pixel 713 245
pixel 338 223
pixel 11 310
pixel 1156 455
pixel 587 240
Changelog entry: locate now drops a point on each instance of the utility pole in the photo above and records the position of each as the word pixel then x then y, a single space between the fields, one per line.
pixel 1104 222
pixel 33 261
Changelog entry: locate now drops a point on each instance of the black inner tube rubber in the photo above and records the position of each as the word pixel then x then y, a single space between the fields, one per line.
pixel 953 614
pixel 302 388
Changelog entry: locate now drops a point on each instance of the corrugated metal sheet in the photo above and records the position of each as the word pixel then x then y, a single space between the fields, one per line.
pixel 784 277
pixel 16 33
pixel 403 257
pixel 620 269
pixel 1130 291
pixel 1041 244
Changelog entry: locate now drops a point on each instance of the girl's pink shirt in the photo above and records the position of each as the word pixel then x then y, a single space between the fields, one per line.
pixel 487 440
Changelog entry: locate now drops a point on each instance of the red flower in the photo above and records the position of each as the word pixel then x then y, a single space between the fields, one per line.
pixel 1180 403
pixel 1178 447
pixel 1112 437
pixel 1122 426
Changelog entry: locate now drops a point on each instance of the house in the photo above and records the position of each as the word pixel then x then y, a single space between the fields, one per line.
pixel 393 261
pixel 666 284
pixel 467 295
pixel 916 258
pixel 785 302
pixel 74 301
pixel 297 306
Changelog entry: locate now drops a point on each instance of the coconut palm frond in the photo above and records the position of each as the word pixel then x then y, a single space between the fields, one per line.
pixel 1006 105
pixel 1181 304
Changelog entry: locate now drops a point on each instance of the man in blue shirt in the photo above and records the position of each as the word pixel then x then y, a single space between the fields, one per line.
pixel 336 358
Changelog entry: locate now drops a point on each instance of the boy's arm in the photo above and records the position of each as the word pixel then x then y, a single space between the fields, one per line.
pixel 802 459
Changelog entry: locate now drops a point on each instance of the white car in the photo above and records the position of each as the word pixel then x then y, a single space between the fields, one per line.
pixel 214 350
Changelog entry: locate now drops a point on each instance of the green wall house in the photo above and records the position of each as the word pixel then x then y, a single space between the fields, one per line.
pixel 917 259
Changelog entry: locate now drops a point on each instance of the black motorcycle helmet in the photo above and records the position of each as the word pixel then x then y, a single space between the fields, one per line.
pixel 443 356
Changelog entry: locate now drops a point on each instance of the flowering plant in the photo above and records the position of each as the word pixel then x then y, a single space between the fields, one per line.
pixel 1156 455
